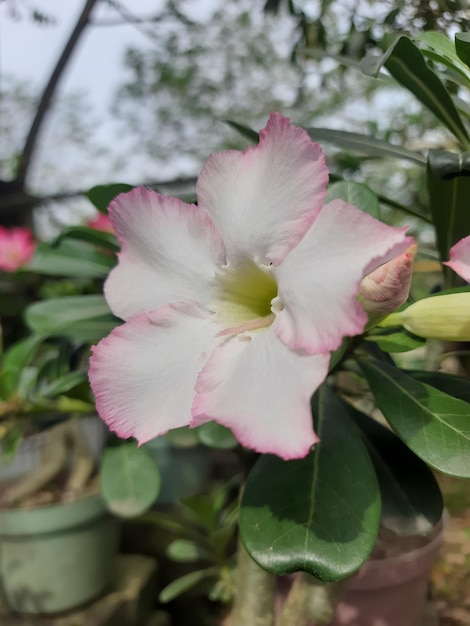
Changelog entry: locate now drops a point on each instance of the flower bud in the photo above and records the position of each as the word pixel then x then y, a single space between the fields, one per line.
pixel 387 287
pixel 445 317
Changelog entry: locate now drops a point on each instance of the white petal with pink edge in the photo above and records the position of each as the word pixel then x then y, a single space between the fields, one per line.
pixel 143 374
pixel 320 279
pixel 264 199
pixel 261 390
pixel 170 252
pixel 460 258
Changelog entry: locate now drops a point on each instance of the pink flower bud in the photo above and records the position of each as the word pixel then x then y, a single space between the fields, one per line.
pixel 16 248
pixel 387 287
pixel 460 258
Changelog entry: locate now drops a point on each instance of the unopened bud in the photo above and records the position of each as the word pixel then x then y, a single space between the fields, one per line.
pixel 387 287
pixel 445 317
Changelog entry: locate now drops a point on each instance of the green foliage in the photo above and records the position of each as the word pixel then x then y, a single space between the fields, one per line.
pixel 357 194
pixel 101 195
pixel 79 318
pixel 433 425
pixel 129 478
pixel 448 185
pixel 90 235
pixel 293 513
pixel 406 64
pixel 410 496
pixel 73 258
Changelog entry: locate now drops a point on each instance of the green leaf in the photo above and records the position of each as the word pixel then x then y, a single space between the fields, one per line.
pixel 180 585
pixel 80 318
pixel 244 131
pixel 406 64
pixel 71 258
pixel 64 383
pixel 411 498
pixel 433 424
pixel 456 386
pixel 356 194
pixel 319 514
pixel 443 52
pixel 462 47
pixel 130 479
pixel 396 342
pixel 216 436
pixel 448 192
pixel 20 354
pixel 185 551
pixel 101 195
pixel 96 237
pixel 365 144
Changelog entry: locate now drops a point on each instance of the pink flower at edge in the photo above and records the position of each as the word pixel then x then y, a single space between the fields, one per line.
pixel 101 222
pixel 460 258
pixel 233 306
pixel 17 246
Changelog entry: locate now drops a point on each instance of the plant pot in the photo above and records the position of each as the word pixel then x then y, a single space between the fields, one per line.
pixel 57 557
pixel 390 591
pixel 28 455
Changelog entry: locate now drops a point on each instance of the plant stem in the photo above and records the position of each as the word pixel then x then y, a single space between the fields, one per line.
pixel 310 600
pixel 254 602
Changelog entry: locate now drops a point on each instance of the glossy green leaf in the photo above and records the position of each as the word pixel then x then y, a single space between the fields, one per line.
pixel 365 144
pixel 462 47
pixel 216 436
pixel 411 498
pixel 456 386
pixel 448 189
pixel 434 425
pixel 356 194
pixel 96 237
pixel 319 514
pixel 185 583
pixel 101 195
pixel 396 342
pixel 71 258
pixel 406 64
pixel 130 479
pixel 80 318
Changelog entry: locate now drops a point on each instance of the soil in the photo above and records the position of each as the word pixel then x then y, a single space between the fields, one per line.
pixel 450 578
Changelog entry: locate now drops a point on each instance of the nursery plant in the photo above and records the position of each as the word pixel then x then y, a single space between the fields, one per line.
pixel 276 311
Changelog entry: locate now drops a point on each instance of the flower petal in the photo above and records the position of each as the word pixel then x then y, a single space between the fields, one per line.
pixel 170 251
pixel 460 258
pixel 264 199
pixel 143 374
pixel 273 415
pixel 319 280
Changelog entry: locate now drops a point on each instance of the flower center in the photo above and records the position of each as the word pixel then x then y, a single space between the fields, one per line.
pixel 244 297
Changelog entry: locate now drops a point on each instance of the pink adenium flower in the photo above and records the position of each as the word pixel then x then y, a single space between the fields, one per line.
pixel 17 246
pixel 101 222
pixel 460 258
pixel 232 307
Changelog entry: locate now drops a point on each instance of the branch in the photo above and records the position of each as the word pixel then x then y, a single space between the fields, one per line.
pixel 49 91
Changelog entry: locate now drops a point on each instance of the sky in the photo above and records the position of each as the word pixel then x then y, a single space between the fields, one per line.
pixel 29 51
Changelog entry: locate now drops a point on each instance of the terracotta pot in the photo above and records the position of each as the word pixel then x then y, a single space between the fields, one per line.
pixel 390 591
